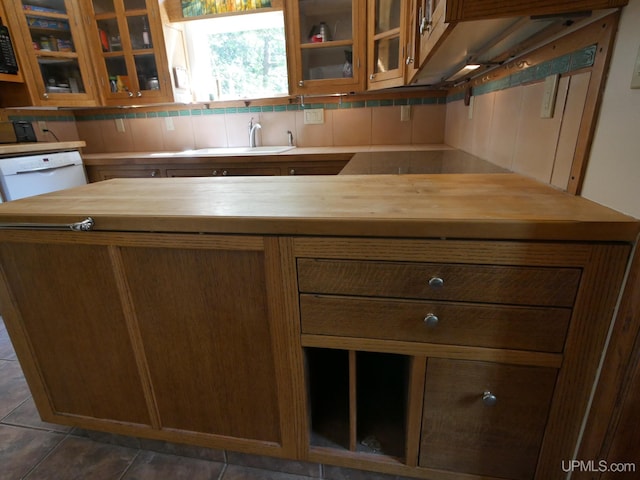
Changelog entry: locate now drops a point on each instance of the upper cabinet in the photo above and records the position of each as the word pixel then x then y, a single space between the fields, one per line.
pixel 128 49
pixel 386 42
pixel 454 33
pixel 327 45
pixel 49 40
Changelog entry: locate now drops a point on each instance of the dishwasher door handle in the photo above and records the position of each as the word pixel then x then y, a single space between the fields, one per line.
pixel 45 169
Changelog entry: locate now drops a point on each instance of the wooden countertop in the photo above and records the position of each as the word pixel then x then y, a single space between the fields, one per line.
pixel 37 147
pixel 483 206
pixel 320 153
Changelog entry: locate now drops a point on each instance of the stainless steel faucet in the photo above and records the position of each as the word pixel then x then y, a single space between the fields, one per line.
pixel 252 132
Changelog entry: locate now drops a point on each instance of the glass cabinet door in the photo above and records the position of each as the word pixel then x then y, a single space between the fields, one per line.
pixel 129 58
pixel 60 67
pixel 328 45
pixel 386 41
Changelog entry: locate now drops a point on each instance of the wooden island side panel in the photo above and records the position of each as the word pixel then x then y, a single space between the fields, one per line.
pixel 224 307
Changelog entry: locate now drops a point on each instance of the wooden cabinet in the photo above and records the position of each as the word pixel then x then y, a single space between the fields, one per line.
pixel 327 42
pixel 97 174
pixel 223 170
pixel 477 347
pixel 148 332
pixel 453 33
pixel 218 168
pixel 8 75
pixel 386 43
pixel 128 51
pixel 314 167
pixel 484 418
pixel 286 317
pixel 50 42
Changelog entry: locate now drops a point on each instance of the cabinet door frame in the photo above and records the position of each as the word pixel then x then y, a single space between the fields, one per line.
pixel 297 84
pixel 23 46
pixel 391 78
pixel 136 96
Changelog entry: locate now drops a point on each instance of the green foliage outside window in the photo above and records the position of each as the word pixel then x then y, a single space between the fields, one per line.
pixel 249 64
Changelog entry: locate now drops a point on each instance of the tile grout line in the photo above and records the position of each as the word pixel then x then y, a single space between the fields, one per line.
pixel 13 410
pixel 126 470
pixel 38 463
pixel 224 469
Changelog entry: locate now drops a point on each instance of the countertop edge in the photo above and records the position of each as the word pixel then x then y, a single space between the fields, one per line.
pixel 37 147
pixel 121 158
pixel 452 206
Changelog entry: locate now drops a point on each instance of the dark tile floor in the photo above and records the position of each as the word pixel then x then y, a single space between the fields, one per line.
pixel 34 450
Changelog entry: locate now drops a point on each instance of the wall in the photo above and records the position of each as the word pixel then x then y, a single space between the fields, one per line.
pixel 613 172
pixel 503 123
pixel 370 122
pixel 375 122
pixel 62 124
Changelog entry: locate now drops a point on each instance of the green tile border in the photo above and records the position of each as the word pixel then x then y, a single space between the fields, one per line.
pixel 195 111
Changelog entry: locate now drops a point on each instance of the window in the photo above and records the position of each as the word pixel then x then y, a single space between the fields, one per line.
pixel 238 57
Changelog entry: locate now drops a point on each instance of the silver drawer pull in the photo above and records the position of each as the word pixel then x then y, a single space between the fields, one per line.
pixel 436 282
pixel 431 320
pixel 82 226
pixel 489 399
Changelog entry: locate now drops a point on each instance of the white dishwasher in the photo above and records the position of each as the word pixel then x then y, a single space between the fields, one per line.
pixel 30 175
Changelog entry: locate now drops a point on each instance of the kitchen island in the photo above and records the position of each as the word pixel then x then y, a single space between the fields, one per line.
pixel 433 326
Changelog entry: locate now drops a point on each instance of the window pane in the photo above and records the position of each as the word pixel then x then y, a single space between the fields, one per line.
pixel 242 56
pixel 387 54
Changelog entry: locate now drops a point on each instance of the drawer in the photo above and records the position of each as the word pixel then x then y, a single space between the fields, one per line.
pixel 512 327
pixel 517 285
pixel 483 418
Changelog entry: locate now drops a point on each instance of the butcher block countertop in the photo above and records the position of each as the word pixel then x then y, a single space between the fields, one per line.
pixel 14 149
pixel 482 206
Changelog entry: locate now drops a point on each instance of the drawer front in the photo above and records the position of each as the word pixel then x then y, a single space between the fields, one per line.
pixel 521 328
pixel 467 430
pixel 470 283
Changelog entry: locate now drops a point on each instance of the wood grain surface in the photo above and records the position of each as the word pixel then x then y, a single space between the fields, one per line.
pixel 497 206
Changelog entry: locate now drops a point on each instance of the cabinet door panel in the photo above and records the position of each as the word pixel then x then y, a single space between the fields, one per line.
pixel 461 433
pixel 76 326
pixel 208 348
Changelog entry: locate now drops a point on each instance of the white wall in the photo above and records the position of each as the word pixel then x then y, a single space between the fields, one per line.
pixel 613 172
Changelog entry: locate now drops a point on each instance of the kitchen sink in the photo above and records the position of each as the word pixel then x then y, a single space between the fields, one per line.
pixel 226 151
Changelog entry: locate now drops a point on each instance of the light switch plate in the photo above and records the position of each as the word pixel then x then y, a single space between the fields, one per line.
pixel 549 96
pixel 314 116
pixel 635 78
pixel 405 113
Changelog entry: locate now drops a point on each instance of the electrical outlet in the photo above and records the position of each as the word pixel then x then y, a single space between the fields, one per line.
pixel 549 96
pixel 168 123
pixel 42 125
pixel 405 113
pixel 635 78
pixel 314 116
pixel 120 125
